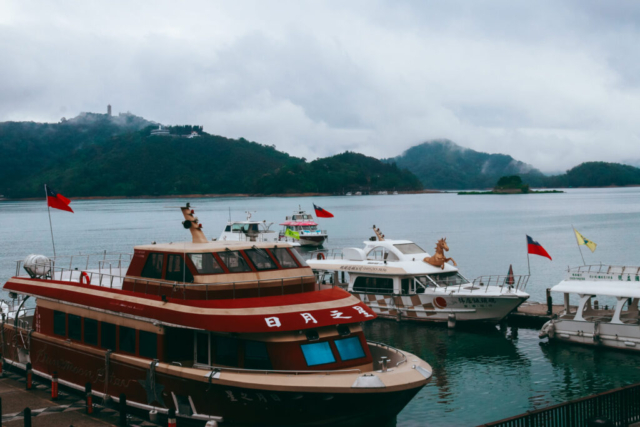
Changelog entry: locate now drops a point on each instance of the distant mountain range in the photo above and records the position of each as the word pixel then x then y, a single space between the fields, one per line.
pixel 96 155
pixel 444 165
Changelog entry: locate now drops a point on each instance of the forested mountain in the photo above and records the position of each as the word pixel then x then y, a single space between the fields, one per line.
pixel 99 155
pixel 444 165
pixel 27 148
pixel 596 174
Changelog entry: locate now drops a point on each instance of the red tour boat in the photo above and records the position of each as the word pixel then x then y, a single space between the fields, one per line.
pixel 233 332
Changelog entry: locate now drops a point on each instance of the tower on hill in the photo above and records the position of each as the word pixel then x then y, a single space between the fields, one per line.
pixel 109 110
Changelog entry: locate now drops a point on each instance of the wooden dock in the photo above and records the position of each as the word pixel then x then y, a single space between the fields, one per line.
pixel 534 314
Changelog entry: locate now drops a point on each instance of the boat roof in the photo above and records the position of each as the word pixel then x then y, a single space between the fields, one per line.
pixel 289 312
pixel 299 223
pixel 354 260
pixel 606 280
pixel 612 289
pixel 214 246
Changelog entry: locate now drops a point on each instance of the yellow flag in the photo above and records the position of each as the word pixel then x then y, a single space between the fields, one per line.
pixel 584 241
pixel 292 233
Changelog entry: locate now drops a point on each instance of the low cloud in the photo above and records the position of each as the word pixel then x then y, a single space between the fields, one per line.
pixel 550 83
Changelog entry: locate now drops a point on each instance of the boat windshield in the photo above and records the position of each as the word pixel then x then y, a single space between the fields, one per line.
pixel 244 228
pixel 409 248
pixel 452 278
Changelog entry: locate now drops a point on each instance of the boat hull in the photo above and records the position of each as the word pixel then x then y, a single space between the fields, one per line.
pixel 619 336
pixel 253 403
pixel 438 308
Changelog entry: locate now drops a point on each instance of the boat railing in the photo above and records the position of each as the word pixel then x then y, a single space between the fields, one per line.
pixel 403 357
pixel 604 273
pixel 326 253
pixel 106 277
pixel 508 283
pixel 101 260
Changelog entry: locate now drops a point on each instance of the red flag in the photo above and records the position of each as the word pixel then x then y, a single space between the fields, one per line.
pixel 57 201
pixel 536 248
pixel 511 280
pixel 321 213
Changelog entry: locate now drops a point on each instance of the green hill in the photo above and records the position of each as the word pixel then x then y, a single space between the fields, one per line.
pixel 596 174
pixel 444 165
pixel 98 155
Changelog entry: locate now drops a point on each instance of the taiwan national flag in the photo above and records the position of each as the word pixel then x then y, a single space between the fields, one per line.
pixel 321 213
pixel 57 201
pixel 536 248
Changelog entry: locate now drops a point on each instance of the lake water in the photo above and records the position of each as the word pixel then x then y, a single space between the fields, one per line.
pixel 479 376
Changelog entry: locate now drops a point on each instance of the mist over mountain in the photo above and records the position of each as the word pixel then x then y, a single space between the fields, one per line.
pixel 444 165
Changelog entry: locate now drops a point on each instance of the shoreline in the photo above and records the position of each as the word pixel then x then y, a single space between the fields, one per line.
pixel 198 196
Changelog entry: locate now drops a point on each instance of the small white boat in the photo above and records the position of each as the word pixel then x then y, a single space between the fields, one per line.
pixel 249 231
pixel 396 280
pixel 613 321
pixel 302 223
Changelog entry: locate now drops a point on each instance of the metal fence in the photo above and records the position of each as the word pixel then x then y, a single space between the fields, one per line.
pixel 620 407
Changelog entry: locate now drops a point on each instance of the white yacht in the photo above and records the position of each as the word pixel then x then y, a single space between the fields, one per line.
pixel 397 279
pixel 250 230
pixel 612 320
pixel 306 228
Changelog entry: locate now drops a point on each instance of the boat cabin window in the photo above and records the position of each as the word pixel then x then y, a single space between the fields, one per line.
pixel 261 259
pixel 226 351
pixel 424 282
pixel 380 285
pixel 256 355
pixel 202 348
pixel 409 248
pixel 75 327
pixel 318 353
pixel 148 344
pixel 60 323
pixel 381 253
pixel 153 267
pixel 107 336
pixel 244 228
pixel 127 340
pixel 205 263
pixel 227 228
pixel 452 278
pixel 90 331
pixel 284 258
pixel 234 261
pixel 176 271
pixel 349 348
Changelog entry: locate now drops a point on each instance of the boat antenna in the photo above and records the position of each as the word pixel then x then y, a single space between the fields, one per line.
pixel 229 213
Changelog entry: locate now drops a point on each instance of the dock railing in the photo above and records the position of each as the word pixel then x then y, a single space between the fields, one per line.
pixel 620 406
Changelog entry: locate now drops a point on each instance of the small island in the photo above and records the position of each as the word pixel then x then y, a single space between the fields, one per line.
pixel 509 185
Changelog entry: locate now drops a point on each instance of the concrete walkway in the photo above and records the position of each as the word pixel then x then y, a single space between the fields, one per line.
pixel 68 410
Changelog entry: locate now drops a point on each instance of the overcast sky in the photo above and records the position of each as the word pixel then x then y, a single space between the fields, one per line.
pixel 552 83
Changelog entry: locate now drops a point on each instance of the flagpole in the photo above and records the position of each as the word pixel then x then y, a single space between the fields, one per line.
pixel 50 224
pixel 578 243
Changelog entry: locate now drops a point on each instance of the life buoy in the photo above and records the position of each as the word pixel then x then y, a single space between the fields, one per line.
pixel 320 256
pixel 84 278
